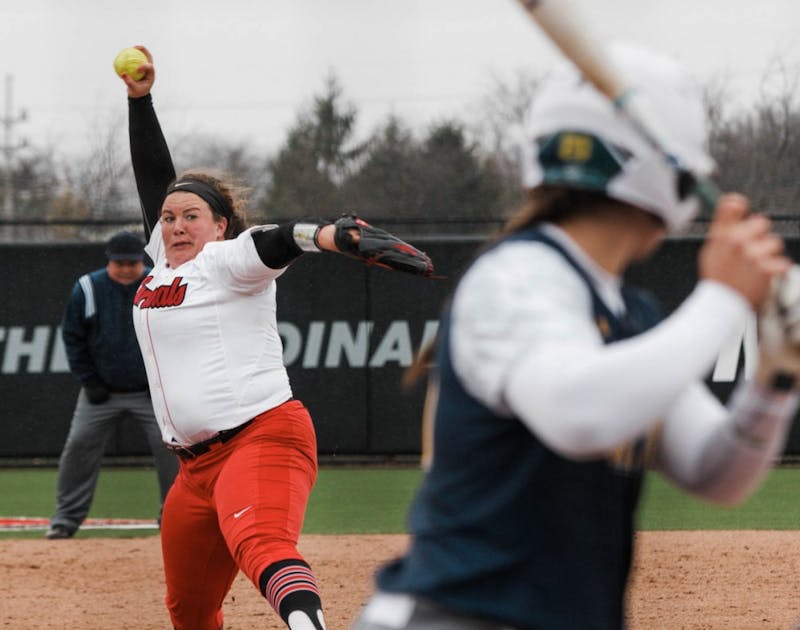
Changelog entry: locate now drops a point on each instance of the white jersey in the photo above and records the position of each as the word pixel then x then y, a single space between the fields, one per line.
pixel 209 338
pixel 525 342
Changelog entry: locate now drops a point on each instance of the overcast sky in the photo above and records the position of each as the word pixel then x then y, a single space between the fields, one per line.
pixel 242 69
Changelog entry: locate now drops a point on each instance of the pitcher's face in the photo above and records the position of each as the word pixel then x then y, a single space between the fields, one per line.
pixel 187 224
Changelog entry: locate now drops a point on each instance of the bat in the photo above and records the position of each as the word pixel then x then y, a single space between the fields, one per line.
pixel 577 42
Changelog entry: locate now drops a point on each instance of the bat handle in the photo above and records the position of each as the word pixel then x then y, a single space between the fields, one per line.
pixel 709 194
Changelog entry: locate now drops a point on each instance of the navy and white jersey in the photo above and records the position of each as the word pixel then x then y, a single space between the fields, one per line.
pixel 503 526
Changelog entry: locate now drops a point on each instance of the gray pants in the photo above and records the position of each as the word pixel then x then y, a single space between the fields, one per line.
pixel 389 611
pixel 79 465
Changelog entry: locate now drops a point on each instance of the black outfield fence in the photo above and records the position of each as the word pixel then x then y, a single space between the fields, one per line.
pixel 349 333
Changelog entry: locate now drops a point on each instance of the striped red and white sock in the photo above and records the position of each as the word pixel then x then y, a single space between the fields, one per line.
pixel 291 589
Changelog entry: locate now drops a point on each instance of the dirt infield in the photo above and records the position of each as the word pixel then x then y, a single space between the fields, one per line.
pixel 682 580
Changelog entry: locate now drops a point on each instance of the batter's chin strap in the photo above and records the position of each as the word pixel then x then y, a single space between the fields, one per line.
pixel 291 589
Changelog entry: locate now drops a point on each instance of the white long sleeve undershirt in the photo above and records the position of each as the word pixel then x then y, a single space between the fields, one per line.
pixel 524 343
pixel 584 401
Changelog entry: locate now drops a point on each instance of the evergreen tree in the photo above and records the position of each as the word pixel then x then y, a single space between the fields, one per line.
pixel 306 175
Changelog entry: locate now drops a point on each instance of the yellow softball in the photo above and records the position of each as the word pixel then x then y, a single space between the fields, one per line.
pixel 128 61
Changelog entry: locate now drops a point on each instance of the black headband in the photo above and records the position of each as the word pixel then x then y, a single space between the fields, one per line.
pixel 206 192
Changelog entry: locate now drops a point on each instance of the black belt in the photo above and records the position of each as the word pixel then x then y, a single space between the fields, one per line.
pixel 190 452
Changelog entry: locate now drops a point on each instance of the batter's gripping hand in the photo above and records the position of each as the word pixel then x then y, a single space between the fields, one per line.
pixel 779 330
pixel 377 247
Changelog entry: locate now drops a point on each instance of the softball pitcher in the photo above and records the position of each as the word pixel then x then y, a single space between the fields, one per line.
pixel 206 323
pixel 558 383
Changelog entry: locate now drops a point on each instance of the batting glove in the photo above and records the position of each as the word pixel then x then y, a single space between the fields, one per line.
pixel 779 332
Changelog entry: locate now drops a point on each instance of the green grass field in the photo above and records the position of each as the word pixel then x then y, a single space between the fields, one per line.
pixel 374 500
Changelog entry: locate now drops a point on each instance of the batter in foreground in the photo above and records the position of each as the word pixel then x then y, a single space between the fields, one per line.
pixel 558 383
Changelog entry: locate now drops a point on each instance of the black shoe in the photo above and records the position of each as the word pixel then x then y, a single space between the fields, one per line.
pixel 58 532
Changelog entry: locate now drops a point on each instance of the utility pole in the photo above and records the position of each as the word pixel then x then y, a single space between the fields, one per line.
pixel 9 120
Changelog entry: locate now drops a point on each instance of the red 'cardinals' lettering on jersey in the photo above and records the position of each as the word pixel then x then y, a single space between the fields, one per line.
pixel 162 296
pixel 225 296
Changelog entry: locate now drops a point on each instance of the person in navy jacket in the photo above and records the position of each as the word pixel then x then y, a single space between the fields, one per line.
pixel 104 356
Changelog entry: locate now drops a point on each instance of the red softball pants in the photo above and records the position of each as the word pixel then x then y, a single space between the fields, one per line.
pixel 238 507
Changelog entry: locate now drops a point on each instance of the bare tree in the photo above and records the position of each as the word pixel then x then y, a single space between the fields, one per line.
pixel 758 151
pixel 500 127
pixel 97 185
pixel 237 159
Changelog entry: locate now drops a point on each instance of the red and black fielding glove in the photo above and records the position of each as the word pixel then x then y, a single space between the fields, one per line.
pixel 375 246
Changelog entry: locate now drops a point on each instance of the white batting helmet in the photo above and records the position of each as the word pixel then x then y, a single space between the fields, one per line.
pixel 578 138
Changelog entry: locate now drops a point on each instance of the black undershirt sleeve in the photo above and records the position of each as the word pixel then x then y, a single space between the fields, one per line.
pixel 276 247
pixel 154 171
pixel 150 157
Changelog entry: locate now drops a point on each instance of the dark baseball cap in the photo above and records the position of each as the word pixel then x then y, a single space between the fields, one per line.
pixel 125 246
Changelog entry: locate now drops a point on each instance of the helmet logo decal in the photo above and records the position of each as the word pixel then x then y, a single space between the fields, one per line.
pixel 579 159
pixel 575 147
